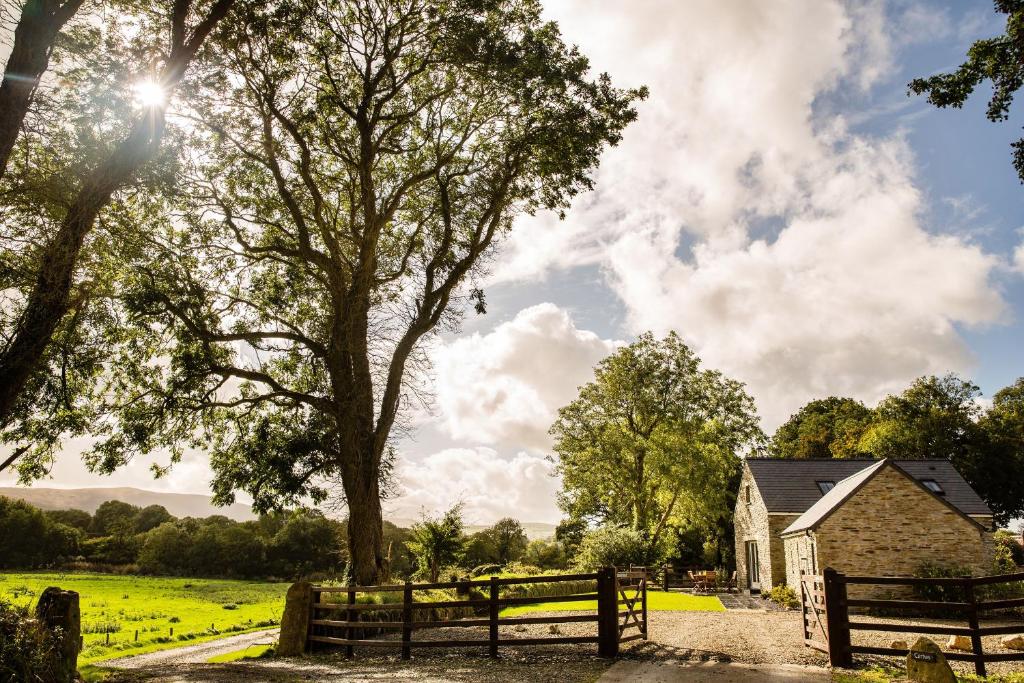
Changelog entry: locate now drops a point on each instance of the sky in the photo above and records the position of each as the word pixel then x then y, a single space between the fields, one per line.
pixel 781 203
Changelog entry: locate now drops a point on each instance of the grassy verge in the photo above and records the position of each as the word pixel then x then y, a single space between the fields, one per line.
pixel 197 610
pixel 251 652
pixel 657 601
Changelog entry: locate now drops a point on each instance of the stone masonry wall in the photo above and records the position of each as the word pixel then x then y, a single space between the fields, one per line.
pixel 890 527
pixel 753 523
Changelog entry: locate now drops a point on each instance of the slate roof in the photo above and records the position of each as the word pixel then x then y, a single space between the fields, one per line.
pixel 791 485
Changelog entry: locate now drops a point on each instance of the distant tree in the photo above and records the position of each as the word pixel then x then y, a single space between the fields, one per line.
pixel 999 60
pixel 824 428
pixel 569 533
pixel 545 554
pixel 438 542
pixel 307 542
pixel 114 518
pixel 166 550
pixel 653 439
pixel 479 550
pixel 80 519
pixel 400 560
pixel 150 517
pixel 509 540
pixel 29 539
pixel 1002 466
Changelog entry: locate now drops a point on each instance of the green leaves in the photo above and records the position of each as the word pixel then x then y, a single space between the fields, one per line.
pixel 653 439
pixel 999 60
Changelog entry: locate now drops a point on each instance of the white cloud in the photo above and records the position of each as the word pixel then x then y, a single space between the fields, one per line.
pixel 506 386
pixel 789 251
pixel 491 487
pixel 1018 259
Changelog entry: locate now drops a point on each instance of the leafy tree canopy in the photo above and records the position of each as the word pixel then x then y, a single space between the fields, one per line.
pixel 653 438
pixel 999 60
pixel 824 428
pixel 438 542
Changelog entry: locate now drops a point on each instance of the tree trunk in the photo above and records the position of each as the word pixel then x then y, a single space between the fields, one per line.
pixel 365 530
pixel 50 298
pixel 37 29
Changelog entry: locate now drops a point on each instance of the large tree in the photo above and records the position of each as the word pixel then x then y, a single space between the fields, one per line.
pixel 1003 467
pixel 357 160
pixel 824 428
pixel 35 36
pixel 999 60
pixel 653 437
pixel 79 159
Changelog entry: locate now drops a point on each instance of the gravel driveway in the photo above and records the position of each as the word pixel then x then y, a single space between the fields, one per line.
pixel 194 654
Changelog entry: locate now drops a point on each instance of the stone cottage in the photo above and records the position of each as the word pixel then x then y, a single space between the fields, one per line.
pixel 873 517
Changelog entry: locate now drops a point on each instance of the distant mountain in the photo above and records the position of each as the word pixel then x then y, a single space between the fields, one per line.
pixel 178 504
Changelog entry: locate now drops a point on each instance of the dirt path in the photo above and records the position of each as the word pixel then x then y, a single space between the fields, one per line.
pixel 712 672
pixel 193 654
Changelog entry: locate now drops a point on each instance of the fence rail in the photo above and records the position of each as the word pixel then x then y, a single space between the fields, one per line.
pixel 612 590
pixel 826 596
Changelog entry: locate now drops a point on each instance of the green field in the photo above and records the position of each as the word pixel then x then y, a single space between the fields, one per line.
pixel 657 601
pixel 197 609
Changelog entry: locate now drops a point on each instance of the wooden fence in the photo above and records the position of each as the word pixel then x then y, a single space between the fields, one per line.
pixel 827 625
pixel 612 592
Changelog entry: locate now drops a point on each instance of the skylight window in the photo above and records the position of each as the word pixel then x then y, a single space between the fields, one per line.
pixel 826 486
pixel 933 486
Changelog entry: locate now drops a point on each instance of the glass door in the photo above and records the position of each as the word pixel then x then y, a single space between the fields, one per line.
pixel 753 567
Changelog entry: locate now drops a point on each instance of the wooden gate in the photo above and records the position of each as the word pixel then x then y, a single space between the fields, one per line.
pixel 632 594
pixel 812 604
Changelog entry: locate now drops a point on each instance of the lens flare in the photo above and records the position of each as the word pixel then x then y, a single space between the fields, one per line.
pixel 149 94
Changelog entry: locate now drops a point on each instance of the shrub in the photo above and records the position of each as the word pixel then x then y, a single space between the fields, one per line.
pixel 783 596
pixel 930 570
pixel 26 647
pixel 615 546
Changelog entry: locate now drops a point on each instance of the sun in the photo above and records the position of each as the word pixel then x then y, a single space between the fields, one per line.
pixel 149 94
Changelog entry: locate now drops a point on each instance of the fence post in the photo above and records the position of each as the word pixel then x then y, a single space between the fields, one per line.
pixel 607 613
pixel 493 608
pixel 407 620
pixel 350 617
pixel 972 619
pixel 643 601
pixel 664 577
pixel 837 617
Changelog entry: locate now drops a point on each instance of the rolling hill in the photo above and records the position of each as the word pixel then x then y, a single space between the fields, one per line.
pixel 88 499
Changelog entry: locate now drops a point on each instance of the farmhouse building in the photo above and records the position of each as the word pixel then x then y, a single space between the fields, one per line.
pixel 869 517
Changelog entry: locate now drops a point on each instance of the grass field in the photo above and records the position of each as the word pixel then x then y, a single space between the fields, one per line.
pixel 657 601
pixel 196 609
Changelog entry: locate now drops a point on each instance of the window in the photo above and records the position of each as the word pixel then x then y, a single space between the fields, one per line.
pixel 933 486
pixel 747 493
pixel 826 486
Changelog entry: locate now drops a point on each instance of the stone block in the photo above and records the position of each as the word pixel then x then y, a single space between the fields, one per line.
pixel 959 643
pixel 58 610
pixel 927 664
pixel 298 606
pixel 1013 642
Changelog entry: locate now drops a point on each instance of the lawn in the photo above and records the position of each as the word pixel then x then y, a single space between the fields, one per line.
pixel 196 609
pixel 657 601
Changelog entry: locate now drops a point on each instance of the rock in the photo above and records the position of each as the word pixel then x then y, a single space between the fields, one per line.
pixel 58 610
pixel 520 628
pixel 959 643
pixel 553 628
pixel 298 604
pixel 1013 642
pixel 899 645
pixel 927 664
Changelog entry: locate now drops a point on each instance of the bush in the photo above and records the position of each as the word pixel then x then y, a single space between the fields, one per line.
pixel 615 546
pixel 783 596
pixel 26 647
pixel 930 570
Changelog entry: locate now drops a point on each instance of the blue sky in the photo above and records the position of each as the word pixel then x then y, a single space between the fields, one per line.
pixel 781 202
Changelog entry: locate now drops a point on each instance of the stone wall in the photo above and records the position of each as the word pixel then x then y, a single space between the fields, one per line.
pixel 753 523
pixel 890 527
